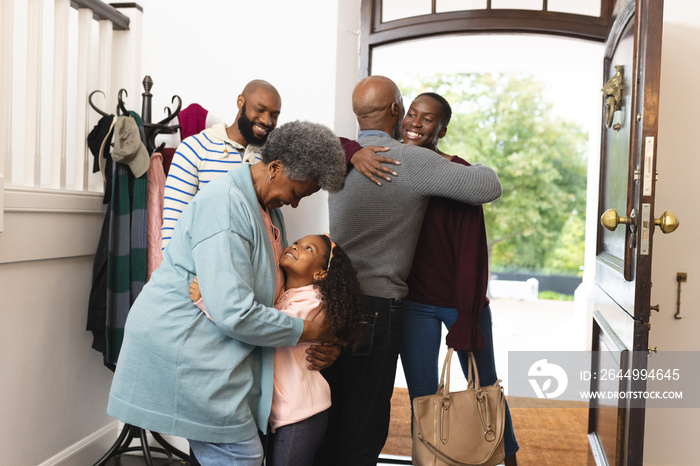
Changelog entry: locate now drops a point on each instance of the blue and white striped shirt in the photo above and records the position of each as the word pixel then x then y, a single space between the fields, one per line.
pixel 198 160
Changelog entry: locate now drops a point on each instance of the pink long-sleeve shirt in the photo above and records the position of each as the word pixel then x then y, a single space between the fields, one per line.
pixel 299 392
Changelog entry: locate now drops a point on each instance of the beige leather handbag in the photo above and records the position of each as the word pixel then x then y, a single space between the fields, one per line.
pixel 462 428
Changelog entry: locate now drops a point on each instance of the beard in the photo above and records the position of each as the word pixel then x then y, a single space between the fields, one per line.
pixel 245 126
pixel 397 133
pixel 397 129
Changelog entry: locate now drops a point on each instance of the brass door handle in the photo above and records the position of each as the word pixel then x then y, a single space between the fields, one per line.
pixel 610 220
pixel 668 222
pixel 613 95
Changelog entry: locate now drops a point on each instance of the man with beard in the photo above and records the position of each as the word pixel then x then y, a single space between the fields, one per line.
pixel 378 227
pixel 203 157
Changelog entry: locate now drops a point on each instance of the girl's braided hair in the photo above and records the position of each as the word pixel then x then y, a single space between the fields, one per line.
pixel 341 295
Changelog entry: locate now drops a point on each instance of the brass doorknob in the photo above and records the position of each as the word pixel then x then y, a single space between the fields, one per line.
pixel 610 220
pixel 668 222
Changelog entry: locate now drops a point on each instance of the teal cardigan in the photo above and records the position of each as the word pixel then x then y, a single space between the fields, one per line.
pixel 180 373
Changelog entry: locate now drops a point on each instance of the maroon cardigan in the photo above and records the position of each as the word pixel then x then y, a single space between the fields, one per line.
pixel 450 267
pixel 350 147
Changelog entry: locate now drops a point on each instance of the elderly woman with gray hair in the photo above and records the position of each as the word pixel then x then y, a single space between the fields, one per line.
pixel 182 374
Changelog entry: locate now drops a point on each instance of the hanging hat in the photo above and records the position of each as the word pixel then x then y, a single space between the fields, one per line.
pixel 96 140
pixel 128 148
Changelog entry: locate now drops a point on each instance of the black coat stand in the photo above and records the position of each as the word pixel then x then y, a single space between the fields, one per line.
pixel 130 433
pixel 151 130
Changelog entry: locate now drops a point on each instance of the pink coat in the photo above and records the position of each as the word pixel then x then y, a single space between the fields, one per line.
pixel 299 392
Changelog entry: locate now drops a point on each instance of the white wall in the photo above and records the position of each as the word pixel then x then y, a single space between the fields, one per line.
pixel 671 434
pixel 52 385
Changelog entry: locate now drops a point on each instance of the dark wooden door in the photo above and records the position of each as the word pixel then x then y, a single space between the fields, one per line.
pixel 624 254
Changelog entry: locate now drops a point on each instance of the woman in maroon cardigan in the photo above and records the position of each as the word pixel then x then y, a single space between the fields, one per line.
pixel 449 276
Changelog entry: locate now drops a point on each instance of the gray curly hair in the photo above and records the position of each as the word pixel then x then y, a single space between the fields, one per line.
pixel 308 151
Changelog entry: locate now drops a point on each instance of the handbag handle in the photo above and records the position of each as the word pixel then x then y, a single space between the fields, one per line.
pixel 472 380
pixel 442 388
pixel 472 373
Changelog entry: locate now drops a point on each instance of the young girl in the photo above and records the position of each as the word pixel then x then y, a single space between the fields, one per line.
pixel 320 285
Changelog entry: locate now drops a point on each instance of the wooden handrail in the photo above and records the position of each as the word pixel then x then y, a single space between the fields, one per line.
pixel 101 10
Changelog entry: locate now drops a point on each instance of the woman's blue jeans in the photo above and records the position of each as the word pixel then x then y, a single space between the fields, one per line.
pixel 421 339
pixel 246 453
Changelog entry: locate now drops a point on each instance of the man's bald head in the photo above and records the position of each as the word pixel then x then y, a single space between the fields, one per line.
pixel 377 103
pixel 255 84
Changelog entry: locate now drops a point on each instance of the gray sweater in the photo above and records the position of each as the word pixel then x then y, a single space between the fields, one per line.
pixel 378 226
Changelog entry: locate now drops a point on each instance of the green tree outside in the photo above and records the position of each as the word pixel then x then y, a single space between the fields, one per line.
pixel 503 121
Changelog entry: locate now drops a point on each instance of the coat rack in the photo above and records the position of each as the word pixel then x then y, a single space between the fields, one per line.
pixel 154 129
pixel 150 131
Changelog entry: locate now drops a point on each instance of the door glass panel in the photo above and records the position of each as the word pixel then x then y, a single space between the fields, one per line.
pixel 607 409
pixel 399 9
pixel 443 6
pixel 517 4
pixel 578 7
pixel 617 142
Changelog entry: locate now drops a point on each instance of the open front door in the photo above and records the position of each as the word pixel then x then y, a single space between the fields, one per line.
pixel 623 266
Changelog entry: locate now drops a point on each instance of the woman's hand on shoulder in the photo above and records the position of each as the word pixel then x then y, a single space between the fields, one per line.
pixel 368 162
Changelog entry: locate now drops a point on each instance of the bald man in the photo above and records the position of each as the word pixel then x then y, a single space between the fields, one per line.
pixel 378 226
pixel 203 157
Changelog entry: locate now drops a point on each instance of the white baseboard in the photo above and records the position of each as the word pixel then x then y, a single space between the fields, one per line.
pixel 88 450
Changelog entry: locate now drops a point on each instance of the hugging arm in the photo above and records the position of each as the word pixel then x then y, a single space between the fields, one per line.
pixel 367 161
pixel 432 175
pixel 226 274
pixel 321 356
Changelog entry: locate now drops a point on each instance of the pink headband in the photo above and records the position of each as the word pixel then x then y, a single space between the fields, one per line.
pixel 330 255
